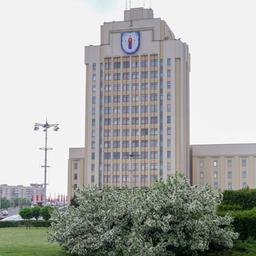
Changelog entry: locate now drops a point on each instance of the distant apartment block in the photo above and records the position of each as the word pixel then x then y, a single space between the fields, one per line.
pixel 34 192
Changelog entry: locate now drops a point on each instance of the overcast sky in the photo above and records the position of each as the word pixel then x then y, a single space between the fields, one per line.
pixel 42 74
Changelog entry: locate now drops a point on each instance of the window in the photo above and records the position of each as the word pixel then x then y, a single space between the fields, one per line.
pixel 94 66
pixel 135 64
pixel 93 133
pixel 169 107
pixel 107 155
pixel 117 64
pixel 144 97
pixel 153 96
pixel 169 61
pixel 126 76
pixel 93 145
pixel 201 163
pixel 144 109
pixel 201 174
pixel 153 131
pixel 153 119
pixel 168 73
pixel 153 108
pixel 244 174
pixel 244 185
pixel 169 119
pixel 94 77
pixel 135 86
pixel 153 154
pixel 93 122
pixel 93 167
pixel 169 131
pixel 153 74
pixel 169 143
pixel 144 143
pixel 168 96
pixel 75 176
pixel 135 143
pixel 135 75
pixel 169 166
pixel 135 132
pixel 116 155
pixel 116 144
pixel 125 143
pixel 116 121
pixel 116 132
pixel 229 163
pixel 75 166
pixel 135 109
pixel 126 64
pixel 107 121
pixel 75 186
pixel 144 63
pixel 126 132
pixel 144 75
pixel 229 174
pixel 215 163
pixel 144 131
pixel 169 85
pixel 144 120
pixel 117 98
pixel 215 175
pixel 144 155
pixel 230 185
pixel 143 86
pixel 153 85
pixel 116 110
pixel 125 109
pixel 135 120
pixel 125 98
pixel 107 99
pixel 153 143
pixel 153 63
pixel 215 184
pixel 244 162
pixel 107 133
pixel 169 154
pixel 92 179
pixel 93 99
pixel 93 156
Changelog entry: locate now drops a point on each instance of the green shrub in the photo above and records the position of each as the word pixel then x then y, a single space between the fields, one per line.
pixel 245 223
pixel 21 223
pixel 229 207
pixel 246 198
pixel 45 212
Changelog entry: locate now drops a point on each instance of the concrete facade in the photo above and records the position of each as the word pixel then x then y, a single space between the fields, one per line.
pixel 137 105
pixel 19 191
pixel 224 166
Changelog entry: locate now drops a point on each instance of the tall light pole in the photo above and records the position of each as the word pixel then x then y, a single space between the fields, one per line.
pixel 45 127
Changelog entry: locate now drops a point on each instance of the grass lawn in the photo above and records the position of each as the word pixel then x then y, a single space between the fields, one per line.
pixel 27 242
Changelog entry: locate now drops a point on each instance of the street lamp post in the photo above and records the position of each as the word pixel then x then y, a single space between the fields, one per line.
pixel 45 127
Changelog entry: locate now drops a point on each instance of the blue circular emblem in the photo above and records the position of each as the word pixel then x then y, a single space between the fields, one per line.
pixel 130 42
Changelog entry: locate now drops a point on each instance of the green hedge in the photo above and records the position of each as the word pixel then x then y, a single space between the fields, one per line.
pixel 246 198
pixel 21 223
pixel 245 223
pixel 229 207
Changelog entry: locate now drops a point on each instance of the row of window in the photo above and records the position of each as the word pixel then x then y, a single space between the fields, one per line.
pixel 133 86
pixel 229 185
pixel 132 167
pixel 134 120
pixel 134 64
pixel 135 109
pixel 133 75
pixel 125 155
pixel 229 174
pixel 133 132
pixel 126 178
pixel 133 143
pixel 215 163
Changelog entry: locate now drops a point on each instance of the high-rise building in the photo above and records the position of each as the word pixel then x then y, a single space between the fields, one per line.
pixel 137 104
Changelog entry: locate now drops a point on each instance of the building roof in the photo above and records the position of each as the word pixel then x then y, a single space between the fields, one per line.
pixel 243 149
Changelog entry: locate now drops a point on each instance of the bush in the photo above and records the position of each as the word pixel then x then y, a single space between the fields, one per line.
pixel 245 223
pixel 246 198
pixel 21 223
pixel 229 207
pixel 36 210
pixel 45 212
pixel 171 218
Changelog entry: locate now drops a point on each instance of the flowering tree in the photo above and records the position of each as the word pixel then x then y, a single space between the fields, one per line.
pixel 170 218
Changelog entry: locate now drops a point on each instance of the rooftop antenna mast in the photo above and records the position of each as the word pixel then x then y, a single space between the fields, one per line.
pixel 130 4
pixel 149 4
pixel 126 4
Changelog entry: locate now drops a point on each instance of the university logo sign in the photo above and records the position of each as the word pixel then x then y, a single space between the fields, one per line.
pixel 130 42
